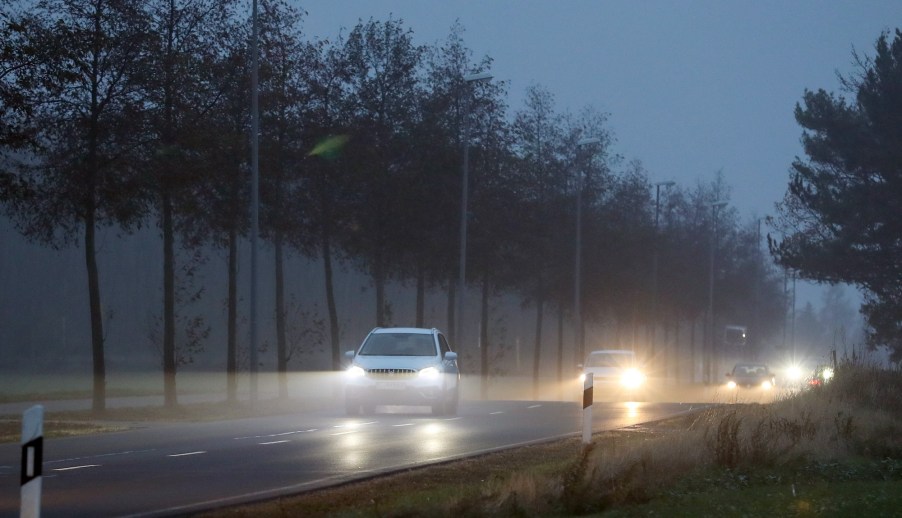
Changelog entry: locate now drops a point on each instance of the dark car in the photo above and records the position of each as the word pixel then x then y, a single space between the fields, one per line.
pixel 403 366
pixel 751 375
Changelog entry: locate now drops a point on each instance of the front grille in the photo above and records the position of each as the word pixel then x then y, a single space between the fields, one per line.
pixel 391 373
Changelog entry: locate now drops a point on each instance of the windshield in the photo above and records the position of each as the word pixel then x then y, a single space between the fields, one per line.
pixel 399 344
pixel 610 360
pixel 750 370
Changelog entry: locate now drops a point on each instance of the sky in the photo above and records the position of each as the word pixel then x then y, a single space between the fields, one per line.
pixel 691 87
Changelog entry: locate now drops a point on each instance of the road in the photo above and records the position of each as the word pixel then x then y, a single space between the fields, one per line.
pixel 176 468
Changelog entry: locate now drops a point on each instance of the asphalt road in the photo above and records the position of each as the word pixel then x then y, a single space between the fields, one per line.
pixel 171 469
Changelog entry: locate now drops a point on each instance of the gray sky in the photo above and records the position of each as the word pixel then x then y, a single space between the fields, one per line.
pixel 691 87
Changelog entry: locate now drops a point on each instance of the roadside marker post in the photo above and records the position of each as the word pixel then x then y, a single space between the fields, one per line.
pixel 32 459
pixel 588 388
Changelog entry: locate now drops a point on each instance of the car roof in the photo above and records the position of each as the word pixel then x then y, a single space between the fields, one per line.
pixel 408 330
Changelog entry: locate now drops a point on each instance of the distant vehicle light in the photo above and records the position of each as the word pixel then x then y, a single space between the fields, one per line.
pixel 794 373
pixel 731 384
pixel 828 374
pixel 767 385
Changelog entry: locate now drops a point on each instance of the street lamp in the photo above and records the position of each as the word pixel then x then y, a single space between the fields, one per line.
pixel 577 309
pixel 654 267
pixel 709 360
pixel 461 282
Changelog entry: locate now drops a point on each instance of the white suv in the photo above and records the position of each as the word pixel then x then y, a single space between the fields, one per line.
pixel 402 366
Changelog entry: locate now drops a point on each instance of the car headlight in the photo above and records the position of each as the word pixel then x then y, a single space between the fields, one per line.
pixel 828 373
pixel 731 384
pixel 355 371
pixel 632 378
pixel 429 373
pixel 767 385
pixel 794 373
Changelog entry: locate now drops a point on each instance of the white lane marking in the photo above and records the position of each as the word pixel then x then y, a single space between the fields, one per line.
pixel 129 452
pixel 275 434
pixel 496 413
pixel 342 433
pixel 186 454
pixel 354 425
pixel 77 467
pixel 275 442
pixel 533 406
pixel 452 418
pixel 402 424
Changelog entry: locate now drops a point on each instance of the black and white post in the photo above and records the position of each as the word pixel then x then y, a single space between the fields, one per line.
pixel 32 458
pixel 588 388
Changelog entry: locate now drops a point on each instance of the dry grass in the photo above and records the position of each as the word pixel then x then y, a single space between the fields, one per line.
pixel 854 421
pixel 11 429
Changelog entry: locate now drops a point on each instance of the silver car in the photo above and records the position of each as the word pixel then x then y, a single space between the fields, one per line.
pixel 402 366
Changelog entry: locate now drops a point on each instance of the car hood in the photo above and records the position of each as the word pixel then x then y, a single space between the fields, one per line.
pixel 395 362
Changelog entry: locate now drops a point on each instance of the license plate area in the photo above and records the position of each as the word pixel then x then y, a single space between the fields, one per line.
pixel 391 385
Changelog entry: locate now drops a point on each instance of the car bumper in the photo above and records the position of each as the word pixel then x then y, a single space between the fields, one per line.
pixel 396 392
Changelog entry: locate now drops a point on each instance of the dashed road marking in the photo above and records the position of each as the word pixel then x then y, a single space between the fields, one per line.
pixel 186 454
pixel 402 424
pixel 70 468
pixel 274 442
pixel 71 459
pixel 275 434
pixel 496 413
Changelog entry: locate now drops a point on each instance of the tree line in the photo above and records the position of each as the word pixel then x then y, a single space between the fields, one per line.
pixel 128 113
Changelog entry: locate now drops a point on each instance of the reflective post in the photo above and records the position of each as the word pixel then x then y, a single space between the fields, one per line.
pixel 32 459
pixel 588 389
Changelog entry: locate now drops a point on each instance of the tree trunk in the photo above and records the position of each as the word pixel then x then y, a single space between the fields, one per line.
pixel 537 350
pixel 281 345
pixel 560 352
pixel 330 298
pixel 484 337
pixel 98 404
pixel 452 326
pixel 379 280
pixel 232 324
pixel 169 367
pixel 421 292
pixel 692 358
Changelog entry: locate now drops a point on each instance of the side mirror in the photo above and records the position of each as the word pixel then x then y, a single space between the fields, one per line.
pixel 450 356
pixel 350 354
pixel 728 375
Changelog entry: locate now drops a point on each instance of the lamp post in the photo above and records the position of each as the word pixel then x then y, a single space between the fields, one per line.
pixel 577 309
pixel 654 268
pixel 462 271
pixel 709 360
